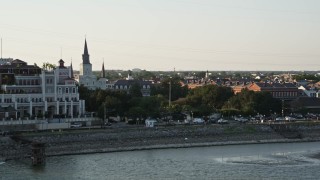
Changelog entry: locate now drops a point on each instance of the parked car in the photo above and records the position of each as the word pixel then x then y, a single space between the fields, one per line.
pixel 241 119
pixel 279 119
pixel 198 120
pixel 222 121
pixel 76 125
pixel 288 118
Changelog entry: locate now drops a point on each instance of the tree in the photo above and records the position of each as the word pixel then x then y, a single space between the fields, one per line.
pixel 137 113
pixel 177 91
pixel 135 90
pixel 265 103
pixel 209 97
pixel 250 102
pixel 48 66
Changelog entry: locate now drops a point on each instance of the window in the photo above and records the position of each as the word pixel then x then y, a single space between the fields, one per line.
pixel 67 90
pixel 59 90
pixel 73 90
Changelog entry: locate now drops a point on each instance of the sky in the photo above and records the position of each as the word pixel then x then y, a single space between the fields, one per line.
pixel 165 35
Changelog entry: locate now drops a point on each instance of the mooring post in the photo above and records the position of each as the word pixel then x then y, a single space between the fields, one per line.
pixel 38 155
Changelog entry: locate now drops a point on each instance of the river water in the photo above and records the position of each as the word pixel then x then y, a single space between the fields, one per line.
pixel 255 161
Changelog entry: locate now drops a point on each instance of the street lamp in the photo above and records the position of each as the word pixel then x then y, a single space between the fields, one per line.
pixel 191 116
pixel 282 111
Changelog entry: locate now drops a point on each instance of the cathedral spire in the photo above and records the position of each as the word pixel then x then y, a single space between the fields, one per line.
pixel 71 69
pixel 85 55
pixel 85 47
pixel 103 74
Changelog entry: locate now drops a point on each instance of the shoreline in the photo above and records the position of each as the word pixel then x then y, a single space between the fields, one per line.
pixel 186 145
pixel 110 140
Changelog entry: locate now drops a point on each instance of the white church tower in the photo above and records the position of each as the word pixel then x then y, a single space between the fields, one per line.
pixel 85 66
pixel 86 77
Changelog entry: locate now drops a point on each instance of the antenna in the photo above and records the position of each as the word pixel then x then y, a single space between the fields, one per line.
pixel 1 48
pixel 61 52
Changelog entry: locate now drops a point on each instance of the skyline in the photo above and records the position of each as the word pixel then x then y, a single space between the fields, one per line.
pixel 172 34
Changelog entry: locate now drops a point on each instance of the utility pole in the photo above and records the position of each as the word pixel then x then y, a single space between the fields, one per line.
pixel 1 48
pixel 282 108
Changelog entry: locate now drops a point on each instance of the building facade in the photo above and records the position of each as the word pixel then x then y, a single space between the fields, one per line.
pixel 284 91
pixel 90 81
pixel 36 92
pixel 86 77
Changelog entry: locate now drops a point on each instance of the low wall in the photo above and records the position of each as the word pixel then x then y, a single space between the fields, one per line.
pixel 39 121
pixel 135 138
pixel 49 126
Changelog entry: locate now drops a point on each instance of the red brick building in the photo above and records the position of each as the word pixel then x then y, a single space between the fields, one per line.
pixel 285 91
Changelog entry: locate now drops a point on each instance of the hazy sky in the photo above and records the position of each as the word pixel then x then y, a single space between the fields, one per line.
pixel 165 34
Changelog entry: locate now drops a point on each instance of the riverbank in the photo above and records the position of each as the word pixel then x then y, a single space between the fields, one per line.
pixel 142 138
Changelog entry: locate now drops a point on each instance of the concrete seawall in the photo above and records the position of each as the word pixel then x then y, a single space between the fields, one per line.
pixel 141 138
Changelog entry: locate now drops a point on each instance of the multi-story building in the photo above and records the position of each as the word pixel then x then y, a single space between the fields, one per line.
pixel 284 91
pixel 36 92
pixel 89 80
pixel 5 61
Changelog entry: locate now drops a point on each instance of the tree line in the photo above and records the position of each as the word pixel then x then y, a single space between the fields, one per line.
pixel 200 101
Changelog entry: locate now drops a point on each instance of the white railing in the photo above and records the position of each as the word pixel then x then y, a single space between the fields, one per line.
pixel 64 120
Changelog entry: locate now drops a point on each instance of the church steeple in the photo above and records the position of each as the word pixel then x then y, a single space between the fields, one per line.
pixel 85 55
pixel 103 74
pixel 71 71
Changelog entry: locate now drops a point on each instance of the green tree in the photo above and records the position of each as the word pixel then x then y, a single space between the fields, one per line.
pixel 135 90
pixel 177 91
pixel 249 103
pixel 209 96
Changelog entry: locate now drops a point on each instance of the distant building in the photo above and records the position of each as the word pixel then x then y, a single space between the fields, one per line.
pixel 89 80
pixel 125 85
pixel 311 104
pixel 86 77
pixel 309 91
pixel 285 91
pixel 5 61
pixel 33 91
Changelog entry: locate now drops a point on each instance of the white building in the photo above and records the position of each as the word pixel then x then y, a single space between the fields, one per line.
pixel 89 80
pixel 5 61
pixel 309 91
pixel 86 77
pixel 36 92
